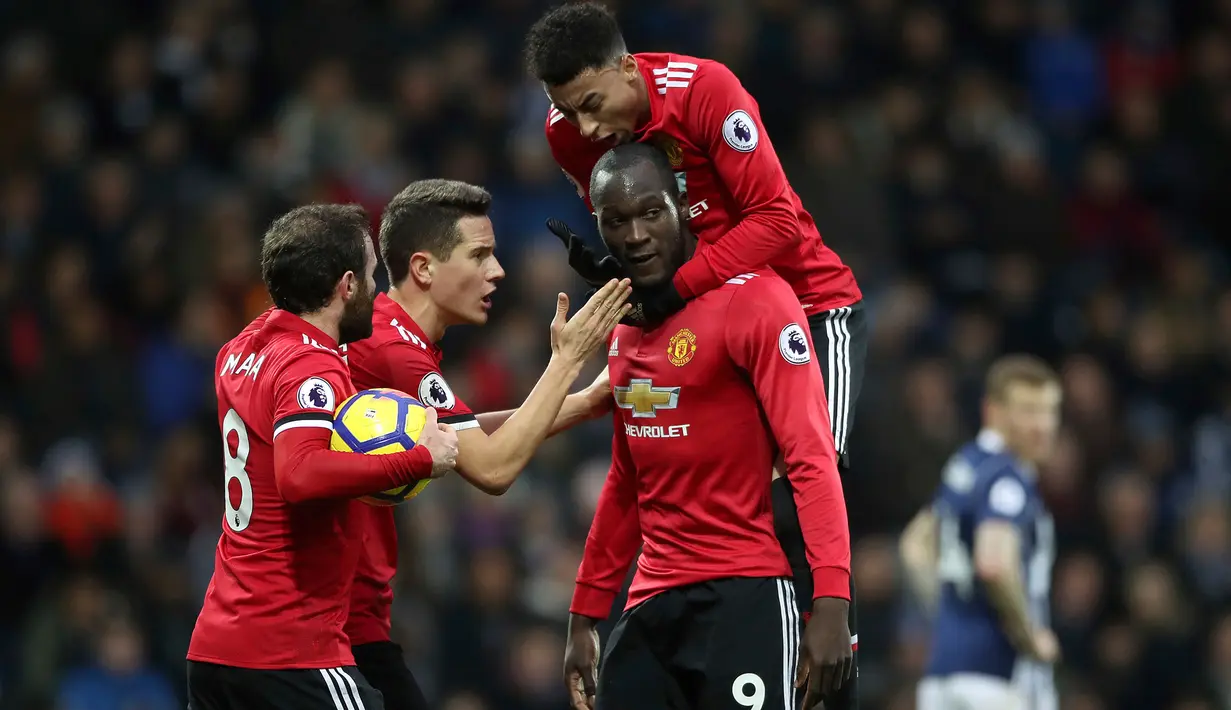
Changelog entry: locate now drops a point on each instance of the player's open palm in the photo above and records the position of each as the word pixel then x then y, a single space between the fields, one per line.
pixel 440 440
pixel 825 658
pixel 576 338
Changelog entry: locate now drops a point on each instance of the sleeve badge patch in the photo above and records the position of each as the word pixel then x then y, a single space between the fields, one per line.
pixel 793 345
pixel 315 393
pixel 435 392
pixel 740 131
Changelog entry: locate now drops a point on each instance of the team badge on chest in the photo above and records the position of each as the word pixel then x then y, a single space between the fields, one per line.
pixel 681 347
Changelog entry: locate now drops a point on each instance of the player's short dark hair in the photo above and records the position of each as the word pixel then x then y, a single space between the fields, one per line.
pixel 306 251
pixel 1018 369
pixel 630 155
pixel 424 217
pixel 570 39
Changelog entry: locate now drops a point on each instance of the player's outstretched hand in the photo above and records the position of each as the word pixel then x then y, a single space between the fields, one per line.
pixel 578 337
pixel 441 442
pixel 593 270
pixel 581 662
pixel 825 658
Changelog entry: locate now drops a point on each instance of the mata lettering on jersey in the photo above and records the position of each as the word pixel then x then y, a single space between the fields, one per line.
pixel 643 399
pixel 250 366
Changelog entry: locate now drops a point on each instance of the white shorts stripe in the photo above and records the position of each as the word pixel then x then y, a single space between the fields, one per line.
pixel 314 423
pixel 349 683
pixel 333 692
pixel 343 690
pixel 844 409
pixel 790 640
pixel 837 388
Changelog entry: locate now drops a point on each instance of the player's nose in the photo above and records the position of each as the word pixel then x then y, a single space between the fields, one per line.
pixel 588 127
pixel 497 271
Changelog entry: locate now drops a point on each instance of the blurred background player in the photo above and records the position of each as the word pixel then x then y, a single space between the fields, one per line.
pixel 984 549
pixel 270 633
pixel 439 248
pixel 741 206
pixel 705 401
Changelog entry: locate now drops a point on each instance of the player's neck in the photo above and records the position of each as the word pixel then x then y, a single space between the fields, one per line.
pixel 422 311
pixel 325 322
pixel 643 95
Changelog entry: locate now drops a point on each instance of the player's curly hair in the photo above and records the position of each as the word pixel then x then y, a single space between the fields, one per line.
pixel 570 39
pixel 424 217
pixel 306 251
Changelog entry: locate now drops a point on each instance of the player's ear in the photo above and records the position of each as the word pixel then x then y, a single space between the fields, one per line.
pixel 422 268
pixel 348 286
pixel 628 67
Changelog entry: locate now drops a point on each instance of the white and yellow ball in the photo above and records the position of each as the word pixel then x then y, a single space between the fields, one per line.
pixel 380 421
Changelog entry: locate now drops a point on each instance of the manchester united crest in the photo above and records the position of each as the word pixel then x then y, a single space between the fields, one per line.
pixel 681 347
pixel 674 153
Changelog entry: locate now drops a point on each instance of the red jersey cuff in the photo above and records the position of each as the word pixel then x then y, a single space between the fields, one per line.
pixel 831 582
pixel 694 278
pixel 591 601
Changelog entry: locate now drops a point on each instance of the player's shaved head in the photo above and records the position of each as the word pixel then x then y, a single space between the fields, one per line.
pixel 620 161
pixel 424 218
pixel 308 250
pixel 570 39
pixel 641 213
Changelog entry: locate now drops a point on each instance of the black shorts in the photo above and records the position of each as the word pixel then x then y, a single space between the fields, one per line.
pixel 840 340
pixel 725 644
pixel 215 687
pixel 383 664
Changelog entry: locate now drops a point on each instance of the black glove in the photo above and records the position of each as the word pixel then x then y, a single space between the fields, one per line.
pixel 652 306
pixel 596 272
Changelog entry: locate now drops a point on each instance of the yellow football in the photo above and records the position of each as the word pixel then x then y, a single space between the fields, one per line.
pixel 380 421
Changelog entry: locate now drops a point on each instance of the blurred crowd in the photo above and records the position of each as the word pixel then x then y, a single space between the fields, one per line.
pixel 1049 176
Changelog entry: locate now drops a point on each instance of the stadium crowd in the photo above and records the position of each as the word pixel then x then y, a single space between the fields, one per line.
pixel 1049 176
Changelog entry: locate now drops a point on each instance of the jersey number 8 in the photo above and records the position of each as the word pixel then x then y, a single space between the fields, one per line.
pixel 236 469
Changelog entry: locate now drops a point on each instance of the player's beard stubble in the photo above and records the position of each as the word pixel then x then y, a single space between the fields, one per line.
pixel 356 322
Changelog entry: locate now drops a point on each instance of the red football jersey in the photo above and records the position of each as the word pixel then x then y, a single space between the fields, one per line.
pixel 282 572
pixel 399 356
pixel 704 404
pixel 742 208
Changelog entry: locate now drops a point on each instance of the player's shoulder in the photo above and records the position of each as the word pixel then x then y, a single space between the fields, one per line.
pixel 759 286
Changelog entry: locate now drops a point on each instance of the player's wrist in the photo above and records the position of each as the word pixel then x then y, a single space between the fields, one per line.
pixel 831 582
pixel 564 366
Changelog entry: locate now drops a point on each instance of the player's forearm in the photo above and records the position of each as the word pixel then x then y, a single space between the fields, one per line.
pixel 823 521
pixel 306 469
pixel 574 411
pixel 611 546
pixel 760 238
pixel 1008 596
pixel 494 465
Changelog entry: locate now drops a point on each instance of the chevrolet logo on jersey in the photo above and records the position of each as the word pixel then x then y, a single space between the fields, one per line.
pixel 644 399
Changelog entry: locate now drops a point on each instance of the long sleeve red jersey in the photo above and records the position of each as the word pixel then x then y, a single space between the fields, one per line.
pixel 286 557
pixel 742 208
pixel 704 404
pixel 400 356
